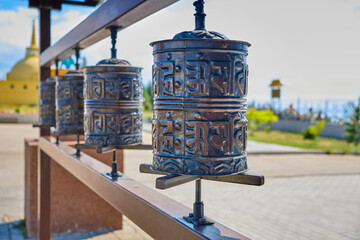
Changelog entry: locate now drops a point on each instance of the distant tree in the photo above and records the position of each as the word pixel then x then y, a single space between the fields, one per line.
pixel 352 128
pixel 83 62
pixel 148 97
pixel 257 118
pixel 68 62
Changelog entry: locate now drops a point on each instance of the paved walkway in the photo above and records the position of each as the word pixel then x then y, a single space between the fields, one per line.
pixel 305 196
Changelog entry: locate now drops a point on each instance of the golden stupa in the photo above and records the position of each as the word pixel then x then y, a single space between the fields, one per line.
pixel 21 84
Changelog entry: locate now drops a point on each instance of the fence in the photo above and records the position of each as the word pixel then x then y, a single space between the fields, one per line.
pixel 332 110
pixel 157 215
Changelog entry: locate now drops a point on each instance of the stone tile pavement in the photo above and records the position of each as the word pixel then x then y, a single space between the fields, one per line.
pixel 305 196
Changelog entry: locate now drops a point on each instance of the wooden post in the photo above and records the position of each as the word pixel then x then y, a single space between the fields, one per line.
pixel 44 196
pixel 44 72
pixel 44 160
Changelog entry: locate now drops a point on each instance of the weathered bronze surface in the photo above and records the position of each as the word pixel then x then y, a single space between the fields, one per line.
pixel 47 103
pixel 113 104
pixel 70 103
pixel 200 85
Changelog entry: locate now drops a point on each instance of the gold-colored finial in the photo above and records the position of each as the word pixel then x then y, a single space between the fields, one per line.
pixel 33 49
pixel 33 37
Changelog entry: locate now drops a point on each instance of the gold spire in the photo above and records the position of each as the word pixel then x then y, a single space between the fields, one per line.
pixel 27 69
pixel 33 49
pixel 33 38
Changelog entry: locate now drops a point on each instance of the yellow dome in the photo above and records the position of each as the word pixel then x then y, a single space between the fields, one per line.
pixel 25 70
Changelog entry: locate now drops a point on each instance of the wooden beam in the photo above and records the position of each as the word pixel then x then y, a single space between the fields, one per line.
pixel 93 29
pixel 159 216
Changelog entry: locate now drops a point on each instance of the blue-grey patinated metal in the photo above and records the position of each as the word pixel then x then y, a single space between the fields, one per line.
pixel 70 103
pixel 113 104
pixel 199 123
pixel 47 103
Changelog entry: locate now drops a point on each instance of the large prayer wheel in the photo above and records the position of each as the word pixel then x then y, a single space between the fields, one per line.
pixel 47 103
pixel 199 122
pixel 113 104
pixel 70 103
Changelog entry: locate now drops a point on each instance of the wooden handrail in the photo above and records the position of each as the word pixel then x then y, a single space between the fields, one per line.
pixel 159 216
pixel 93 29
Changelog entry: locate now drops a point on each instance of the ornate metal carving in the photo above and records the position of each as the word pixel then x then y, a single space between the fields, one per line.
pixel 70 103
pixel 47 103
pixel 113 104
pixel 199 124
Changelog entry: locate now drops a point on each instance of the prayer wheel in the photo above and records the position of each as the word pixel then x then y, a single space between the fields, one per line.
pixel 199 124
pixel 47 103
pixel 70 103
pixel 113 104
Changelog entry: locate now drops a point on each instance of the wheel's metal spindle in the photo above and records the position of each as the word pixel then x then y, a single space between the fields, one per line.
pixel 199 15
pixel 113 31
pixel 78 152
pixel 57 74
pixel 114 168
pixel 57 68
pixel 77 56
pixel 197 216
pixel 77 66
pixel 198 205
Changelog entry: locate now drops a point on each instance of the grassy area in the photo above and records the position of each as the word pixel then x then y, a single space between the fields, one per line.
pixel 21 109
pixel 296 140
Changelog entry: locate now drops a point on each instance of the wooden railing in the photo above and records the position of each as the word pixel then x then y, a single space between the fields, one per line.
pixel 159 216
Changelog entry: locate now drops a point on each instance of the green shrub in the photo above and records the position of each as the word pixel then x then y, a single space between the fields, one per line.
pixel 267 129
pixel 257 118
pixel 148 98
pixel 352 128
pixel 310 133
pixel 22 226
pixel 313 130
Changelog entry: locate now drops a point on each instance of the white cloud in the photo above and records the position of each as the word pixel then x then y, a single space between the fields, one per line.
pixel 16 26
pixel 313 46
pixel 133 42
pixel 65 23
pixel 55 17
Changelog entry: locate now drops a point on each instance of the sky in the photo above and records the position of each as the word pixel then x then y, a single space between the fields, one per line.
pixel 312 46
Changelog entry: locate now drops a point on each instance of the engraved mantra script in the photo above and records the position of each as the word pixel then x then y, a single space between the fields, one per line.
pixel 113 123
pixel 112 88
pixel 163 71
pixel 202 137
pixel 202 76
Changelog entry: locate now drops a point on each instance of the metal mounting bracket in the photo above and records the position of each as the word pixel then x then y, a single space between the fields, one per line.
pixel 197 216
